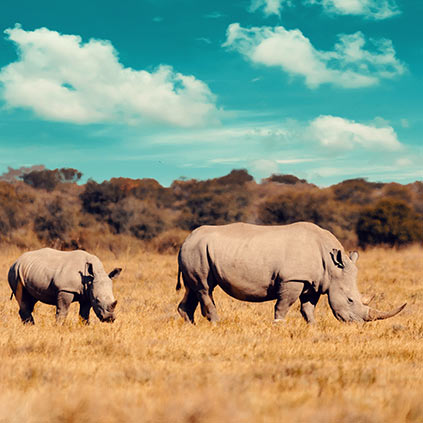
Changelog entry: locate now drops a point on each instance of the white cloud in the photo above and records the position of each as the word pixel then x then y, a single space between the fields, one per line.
pixel 61 78
pixel 348 65
pixel 270 7
pixel 264 167
pixel 344 134
pixel 369 9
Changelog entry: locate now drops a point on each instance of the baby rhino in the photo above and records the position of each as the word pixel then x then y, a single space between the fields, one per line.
pixel 60 278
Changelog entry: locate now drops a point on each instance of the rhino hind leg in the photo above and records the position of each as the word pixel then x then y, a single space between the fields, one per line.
pixel 208 309
pixel 309 298
pixel 26 305
pixel 188 305
pixel 288 293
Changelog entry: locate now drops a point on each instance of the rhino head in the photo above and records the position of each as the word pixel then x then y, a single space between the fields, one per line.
pixel 344 298
pixel 101 291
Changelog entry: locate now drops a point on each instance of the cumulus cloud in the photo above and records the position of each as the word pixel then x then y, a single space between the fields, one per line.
pixel 63 79
pixel 369 9
pixel 269 7
pixel 340 133
pixel 348 65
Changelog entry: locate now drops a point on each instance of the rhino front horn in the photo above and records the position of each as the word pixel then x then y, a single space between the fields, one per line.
pixel 379 315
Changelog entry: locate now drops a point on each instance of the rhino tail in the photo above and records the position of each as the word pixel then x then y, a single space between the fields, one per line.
pixel 11 295
pixel 178 285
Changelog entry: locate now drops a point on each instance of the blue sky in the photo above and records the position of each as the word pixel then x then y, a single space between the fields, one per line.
pixel 324 89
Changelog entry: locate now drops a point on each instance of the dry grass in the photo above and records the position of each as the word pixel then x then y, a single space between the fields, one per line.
pixel 149 366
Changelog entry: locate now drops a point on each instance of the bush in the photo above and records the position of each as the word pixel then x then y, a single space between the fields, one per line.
pixel 390 222
pixel 170 242
pixel 97 198
pixel 285 179
pixel 10 208
pixel 54 222
pixel 213 208
pixel 295 206
pixel 357 191
pixel 49 179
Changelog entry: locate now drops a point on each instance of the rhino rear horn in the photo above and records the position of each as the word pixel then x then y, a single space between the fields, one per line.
pixel 367 299
pixel 380 315
pixel 112 306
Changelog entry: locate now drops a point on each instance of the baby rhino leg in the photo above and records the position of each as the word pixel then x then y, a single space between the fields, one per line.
pixel 288 293
pixel 64 300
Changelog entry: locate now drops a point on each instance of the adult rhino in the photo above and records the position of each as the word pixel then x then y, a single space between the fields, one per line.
pixel 262 263
pixel 60 278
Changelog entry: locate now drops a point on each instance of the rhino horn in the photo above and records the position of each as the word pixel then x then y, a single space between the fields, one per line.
pixel 379 315
pixel 367 299
pixel 112 306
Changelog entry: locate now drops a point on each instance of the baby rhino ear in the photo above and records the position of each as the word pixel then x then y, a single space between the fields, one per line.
pixel 337 258
pixel 115 273
pixel 354 256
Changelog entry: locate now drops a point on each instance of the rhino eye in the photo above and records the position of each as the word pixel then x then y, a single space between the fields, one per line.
pixel 350 300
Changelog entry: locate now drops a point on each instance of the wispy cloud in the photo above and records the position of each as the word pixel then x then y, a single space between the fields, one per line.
pixel 214 15
pixel 204 40
pixel 63 79
pixel 348 65
pixel 368 9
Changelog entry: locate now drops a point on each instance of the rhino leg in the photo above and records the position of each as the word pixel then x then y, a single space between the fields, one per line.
pixel 64 300
pixel 208 309
pixel 26 305
pixel 188 305
pixel 288 293
pixel 309 298
pixel 84 311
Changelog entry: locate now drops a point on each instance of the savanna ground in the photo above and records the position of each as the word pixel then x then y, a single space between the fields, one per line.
pixel 150 366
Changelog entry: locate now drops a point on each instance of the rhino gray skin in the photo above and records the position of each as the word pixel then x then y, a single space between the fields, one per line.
pixel 60 278
pixel 262 263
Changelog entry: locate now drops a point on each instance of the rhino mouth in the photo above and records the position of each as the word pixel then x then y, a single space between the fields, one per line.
pixel 109 319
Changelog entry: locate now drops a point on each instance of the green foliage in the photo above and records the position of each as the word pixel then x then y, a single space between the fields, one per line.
pixel 390 222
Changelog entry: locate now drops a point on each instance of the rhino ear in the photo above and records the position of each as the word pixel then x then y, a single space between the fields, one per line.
pixel 337 258
pixel 354 256
pixel 115 273
pixel 90 269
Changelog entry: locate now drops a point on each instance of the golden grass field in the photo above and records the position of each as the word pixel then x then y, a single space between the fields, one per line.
pixel 150 366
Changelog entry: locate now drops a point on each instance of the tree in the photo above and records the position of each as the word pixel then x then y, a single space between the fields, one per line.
pixel 390 222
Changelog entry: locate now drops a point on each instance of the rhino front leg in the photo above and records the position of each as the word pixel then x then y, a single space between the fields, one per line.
pixel 288 293
pixel 84 312
pixel 309 299
pixel 64 300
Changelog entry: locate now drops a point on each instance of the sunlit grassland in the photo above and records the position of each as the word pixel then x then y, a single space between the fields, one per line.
pixel 150 366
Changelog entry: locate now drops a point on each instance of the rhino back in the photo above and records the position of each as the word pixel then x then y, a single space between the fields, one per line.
pixel 45 272
pixel 247 260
